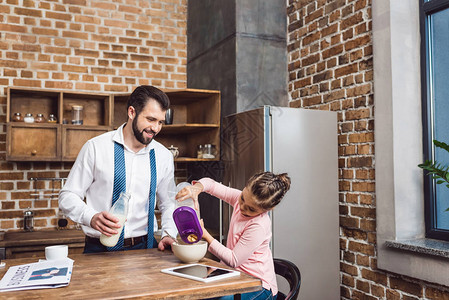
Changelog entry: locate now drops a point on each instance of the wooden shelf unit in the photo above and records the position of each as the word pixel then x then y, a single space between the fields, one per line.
pixel 53 141
pixel 196 122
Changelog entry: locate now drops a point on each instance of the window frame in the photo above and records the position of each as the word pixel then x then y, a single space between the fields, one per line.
pixel 428 7
pixel 399 145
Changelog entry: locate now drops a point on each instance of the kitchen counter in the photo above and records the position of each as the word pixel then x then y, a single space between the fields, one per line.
pixel 32 244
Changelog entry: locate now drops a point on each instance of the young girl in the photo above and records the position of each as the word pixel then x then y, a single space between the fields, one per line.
pixel 248 244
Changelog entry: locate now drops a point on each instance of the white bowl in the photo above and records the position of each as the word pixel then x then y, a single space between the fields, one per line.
pixel 189 253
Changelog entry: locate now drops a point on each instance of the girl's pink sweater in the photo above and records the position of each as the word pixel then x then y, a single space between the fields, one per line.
pixel 248 245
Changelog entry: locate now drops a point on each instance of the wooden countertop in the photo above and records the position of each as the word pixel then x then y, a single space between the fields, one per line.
pixel 43 237
pixel 132 274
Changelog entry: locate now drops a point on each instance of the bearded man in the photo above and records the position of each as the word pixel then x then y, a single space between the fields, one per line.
pixel 130 160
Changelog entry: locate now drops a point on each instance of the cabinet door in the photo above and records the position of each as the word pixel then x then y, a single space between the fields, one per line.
pixel 74 137
pixel 33 142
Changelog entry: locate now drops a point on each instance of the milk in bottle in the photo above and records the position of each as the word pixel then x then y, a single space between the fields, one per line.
pixel 120 211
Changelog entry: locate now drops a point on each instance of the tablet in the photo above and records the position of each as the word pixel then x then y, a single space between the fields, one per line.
pixel 201 272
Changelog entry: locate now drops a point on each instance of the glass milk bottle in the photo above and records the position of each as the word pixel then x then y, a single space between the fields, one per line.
pixel 187 218
pixel 189 201
pixel 120 211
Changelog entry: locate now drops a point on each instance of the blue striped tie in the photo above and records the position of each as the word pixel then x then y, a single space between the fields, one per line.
pixel 151 199
pixel 119 186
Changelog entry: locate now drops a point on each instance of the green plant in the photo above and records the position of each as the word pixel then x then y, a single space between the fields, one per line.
pixel 438 171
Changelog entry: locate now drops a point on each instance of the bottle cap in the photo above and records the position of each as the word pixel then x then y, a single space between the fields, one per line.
pixel 189 227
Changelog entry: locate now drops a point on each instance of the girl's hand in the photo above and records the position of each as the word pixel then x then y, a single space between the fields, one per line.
pixel 206 234
pixel 190 192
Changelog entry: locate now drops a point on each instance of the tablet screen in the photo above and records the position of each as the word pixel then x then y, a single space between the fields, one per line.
pixel 201 271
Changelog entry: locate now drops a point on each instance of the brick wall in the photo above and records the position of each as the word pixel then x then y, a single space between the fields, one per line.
pixel 330 68
pixel 87 45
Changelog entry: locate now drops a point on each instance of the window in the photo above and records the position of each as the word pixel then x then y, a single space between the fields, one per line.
pixel 435 104
pixel 399 143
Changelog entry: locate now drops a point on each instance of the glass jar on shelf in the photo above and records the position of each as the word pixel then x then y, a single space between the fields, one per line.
pixel 39 118
pixel 199 151
pixel 77 114
pixel 209 151
pixel 17 117
pixel 28 118
pixel 52 118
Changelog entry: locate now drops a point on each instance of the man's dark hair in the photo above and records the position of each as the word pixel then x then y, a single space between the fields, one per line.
pixel 139 97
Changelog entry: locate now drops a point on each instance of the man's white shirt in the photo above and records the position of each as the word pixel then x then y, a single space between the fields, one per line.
pixel 92 178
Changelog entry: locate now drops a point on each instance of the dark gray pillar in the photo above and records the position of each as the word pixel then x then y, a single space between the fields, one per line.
pixel 238 47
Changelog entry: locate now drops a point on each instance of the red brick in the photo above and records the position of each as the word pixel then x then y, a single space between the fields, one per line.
pixel 87 86
pixel 347 174
pixel 347 280
pixel 355 234
pixel 363 212
pixel 28 12
pixel 406 286
pixel 358 162
pixel 146 58
pixel 89 53
pixel 361 137
pixel 351 21
pixel 349 222
pixel 367 199
pixel 334 5
pixel 358 42
pixel 76 69
pixel 368 225
pixel 131 41
pixel 376 277
pixel 393 295
pixel 11 214
pixel 361 247
pixel 363 286
pixel 349 269
pixel 363 187
pixel 75 34
pixel 348 34
pixel 59 85
pixel 363 260
pixel 353 68
pixel 436 294
pixel 360 295
pixel 377 291
pixel 345 292
pixel 12 64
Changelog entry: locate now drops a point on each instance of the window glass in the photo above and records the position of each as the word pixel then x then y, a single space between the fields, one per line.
pixel 438 61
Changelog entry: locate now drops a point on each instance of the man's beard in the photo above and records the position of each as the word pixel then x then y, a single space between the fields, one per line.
pixel 139 135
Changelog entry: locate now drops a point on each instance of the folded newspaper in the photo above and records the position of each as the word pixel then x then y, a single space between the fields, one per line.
pixel 40 275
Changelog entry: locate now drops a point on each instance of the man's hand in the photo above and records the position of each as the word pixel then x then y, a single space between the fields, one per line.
pixel 165 243
pixel 105 223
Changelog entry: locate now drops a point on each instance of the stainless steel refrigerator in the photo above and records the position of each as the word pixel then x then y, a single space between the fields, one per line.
pixel 302 143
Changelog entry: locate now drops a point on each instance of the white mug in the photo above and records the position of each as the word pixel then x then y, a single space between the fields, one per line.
pixel 56 252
